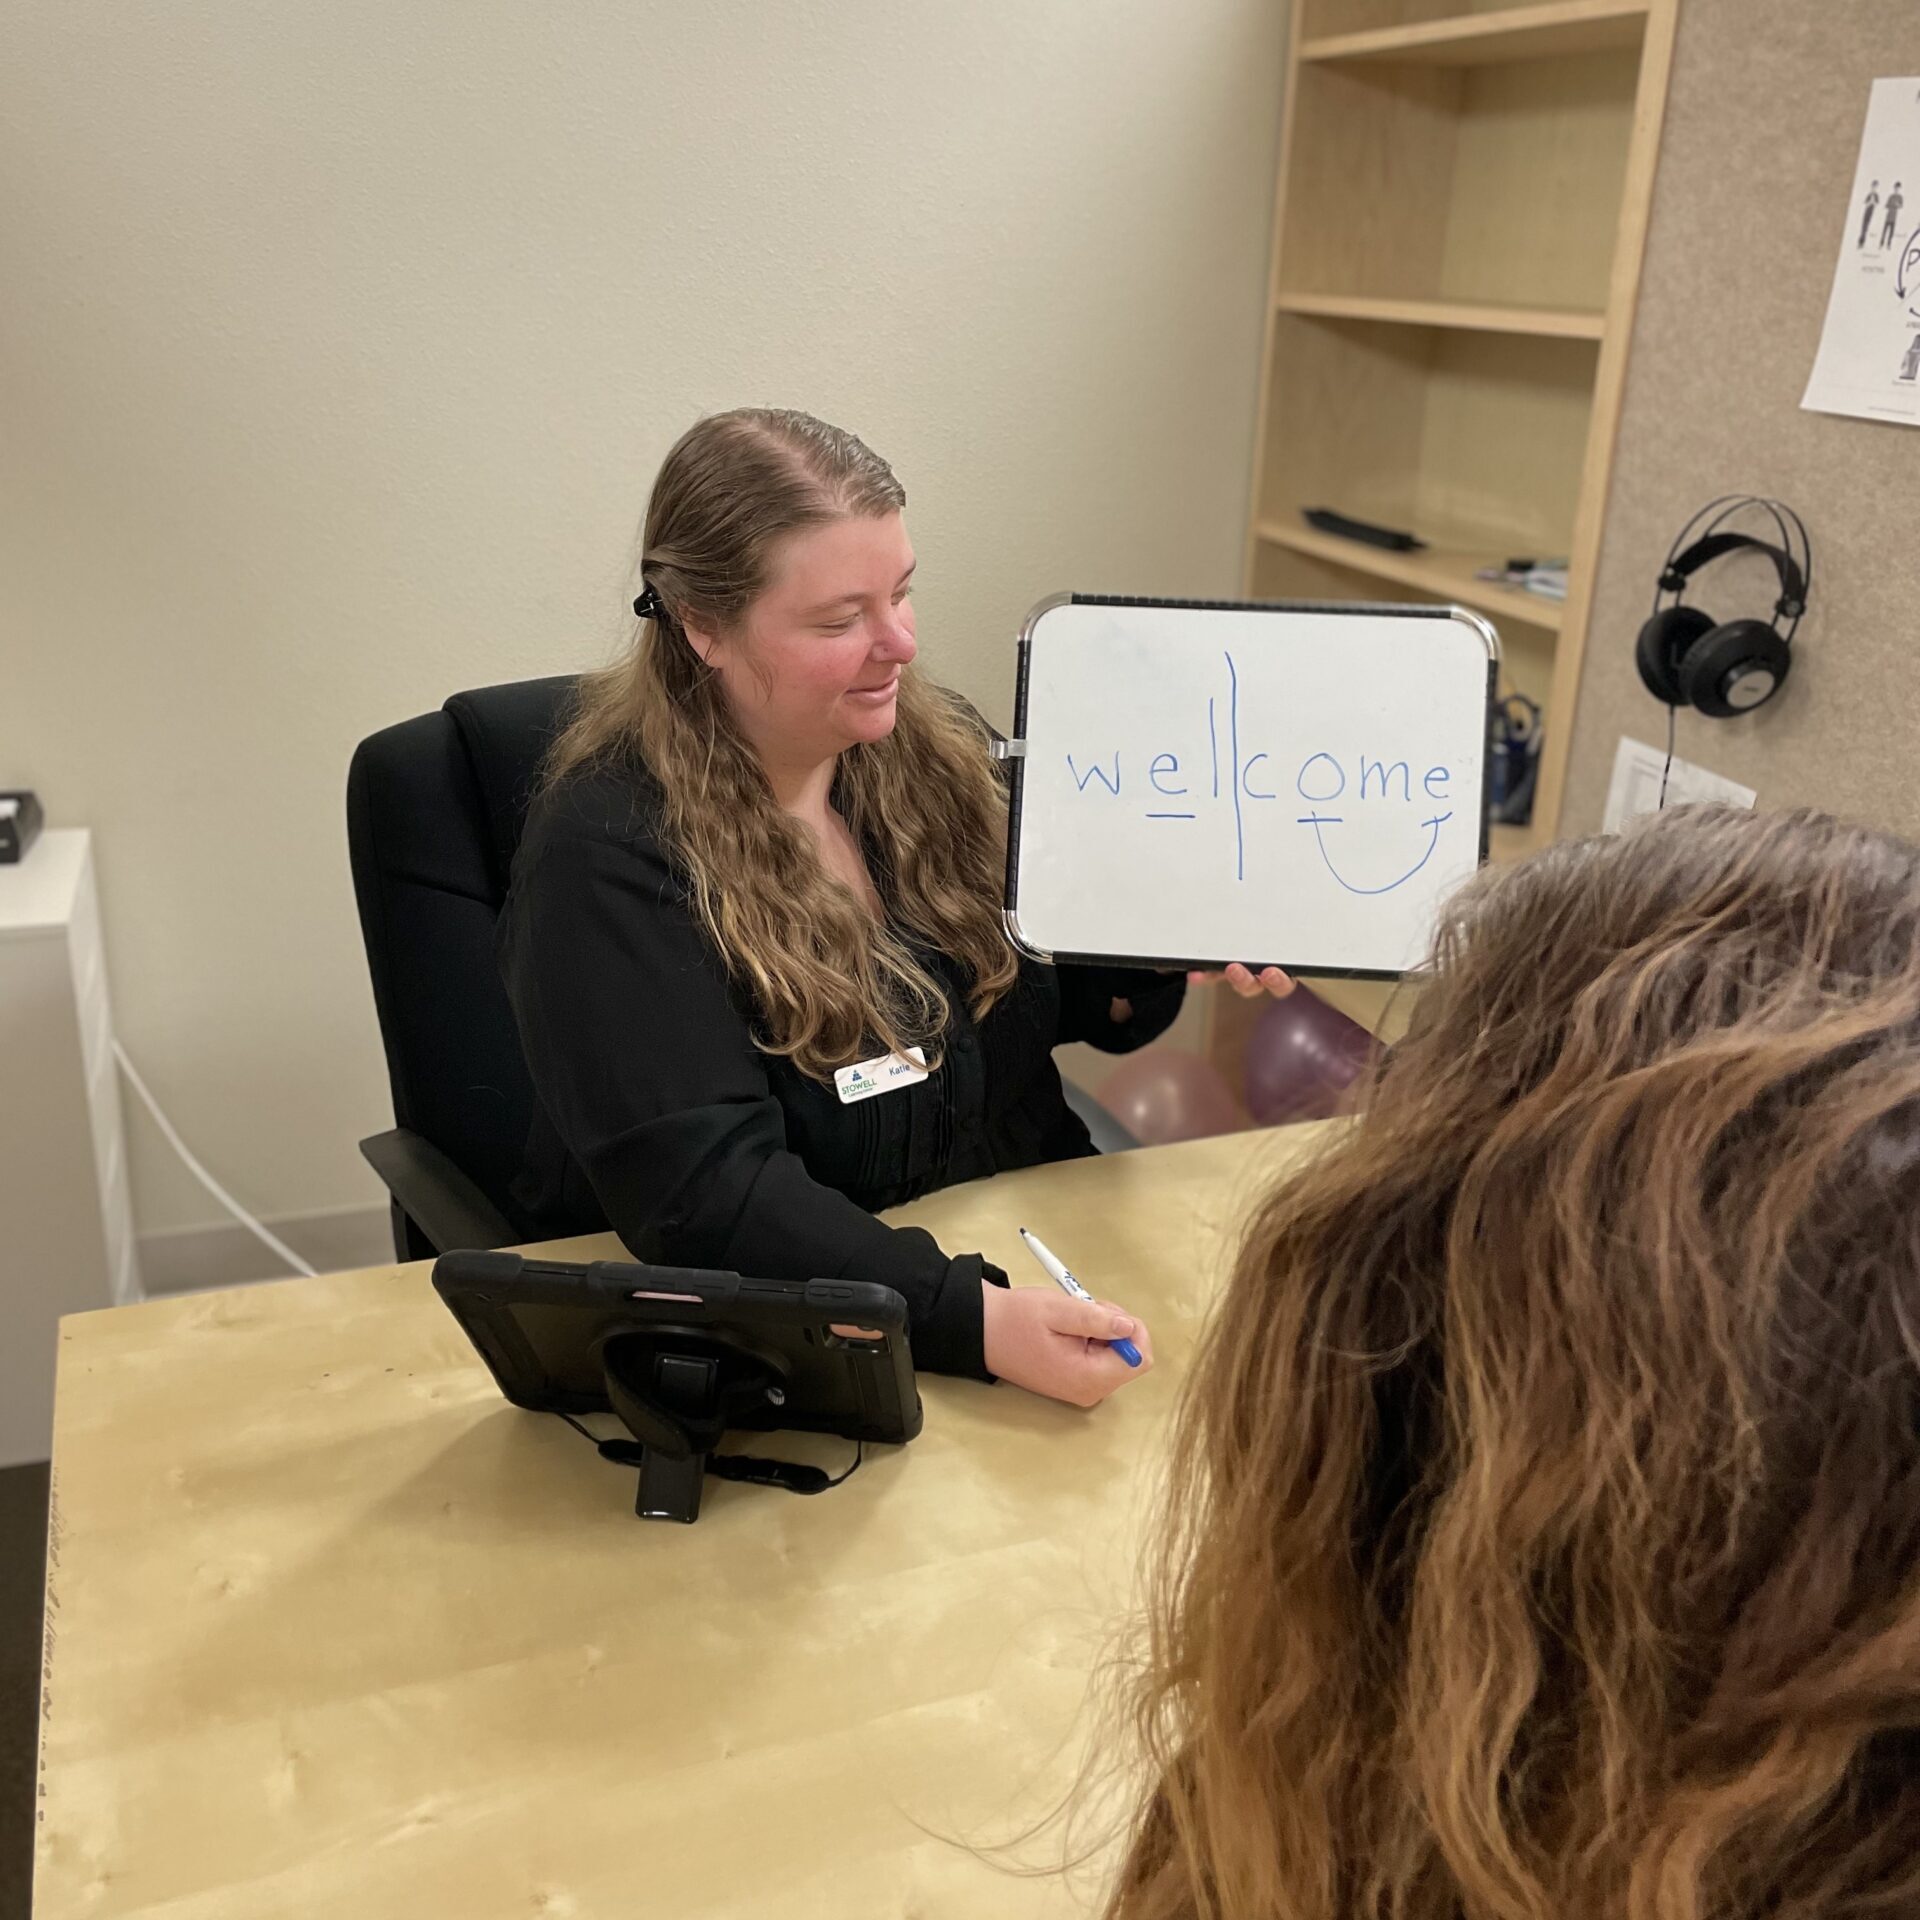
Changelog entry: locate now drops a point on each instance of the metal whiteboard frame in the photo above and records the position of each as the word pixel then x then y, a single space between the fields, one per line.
pixel 1013 752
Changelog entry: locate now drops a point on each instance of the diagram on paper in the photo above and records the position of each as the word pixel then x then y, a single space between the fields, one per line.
pixel 1868 364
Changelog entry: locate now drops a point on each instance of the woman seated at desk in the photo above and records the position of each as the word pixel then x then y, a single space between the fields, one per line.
pixel 1544 1540
pixel 764 870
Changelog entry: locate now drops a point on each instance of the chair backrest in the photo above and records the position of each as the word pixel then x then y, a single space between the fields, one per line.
pixel 435 806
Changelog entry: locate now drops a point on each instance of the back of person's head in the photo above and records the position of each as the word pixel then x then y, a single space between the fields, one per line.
pixel 1544 1536
pixel 829 982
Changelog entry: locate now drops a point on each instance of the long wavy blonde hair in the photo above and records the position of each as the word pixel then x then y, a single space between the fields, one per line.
pixel 1544 1534
pixel 925 805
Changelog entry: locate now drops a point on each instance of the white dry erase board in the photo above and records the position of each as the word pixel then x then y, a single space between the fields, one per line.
pixel 1199 782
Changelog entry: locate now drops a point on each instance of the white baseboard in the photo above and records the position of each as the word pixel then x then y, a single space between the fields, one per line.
pixel 190 1259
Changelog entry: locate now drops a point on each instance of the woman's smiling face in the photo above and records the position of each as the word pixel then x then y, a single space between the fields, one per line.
pixel 815 666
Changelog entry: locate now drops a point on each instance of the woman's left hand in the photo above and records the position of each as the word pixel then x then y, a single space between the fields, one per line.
pixel 1244 982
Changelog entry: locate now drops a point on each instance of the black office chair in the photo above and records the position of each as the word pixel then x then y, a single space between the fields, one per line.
pixel 434 811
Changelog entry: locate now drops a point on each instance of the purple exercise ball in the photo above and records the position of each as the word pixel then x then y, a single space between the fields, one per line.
pixel 1166 1094
pixel 1301 1058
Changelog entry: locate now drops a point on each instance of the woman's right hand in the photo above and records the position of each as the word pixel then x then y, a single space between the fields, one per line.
pixel 1049 1342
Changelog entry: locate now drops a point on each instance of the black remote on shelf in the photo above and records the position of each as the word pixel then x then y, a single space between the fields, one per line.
pixel 1325 520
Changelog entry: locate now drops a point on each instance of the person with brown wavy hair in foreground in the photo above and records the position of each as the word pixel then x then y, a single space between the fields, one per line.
pixel 1544 1534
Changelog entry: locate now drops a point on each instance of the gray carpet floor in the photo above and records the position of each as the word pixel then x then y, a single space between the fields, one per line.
pixel 23 1552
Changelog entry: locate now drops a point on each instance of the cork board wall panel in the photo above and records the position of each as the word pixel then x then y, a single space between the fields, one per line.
pixel 1756 167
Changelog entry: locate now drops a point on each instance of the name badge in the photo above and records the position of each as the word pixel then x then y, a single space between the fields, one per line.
pixel 883 1075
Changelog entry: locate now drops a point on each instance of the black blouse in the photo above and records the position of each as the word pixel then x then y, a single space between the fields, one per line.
pixel 657 1114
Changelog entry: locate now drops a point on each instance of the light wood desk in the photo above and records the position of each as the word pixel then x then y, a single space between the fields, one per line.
pixel 333 1630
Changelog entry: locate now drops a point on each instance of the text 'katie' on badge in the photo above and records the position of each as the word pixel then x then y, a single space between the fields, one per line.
pixel 890 1070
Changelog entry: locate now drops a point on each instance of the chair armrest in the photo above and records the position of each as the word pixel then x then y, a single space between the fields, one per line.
pixel 434 1194
pixel 1109 1136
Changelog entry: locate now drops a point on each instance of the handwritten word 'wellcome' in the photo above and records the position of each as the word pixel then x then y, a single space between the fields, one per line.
pixel 1320 780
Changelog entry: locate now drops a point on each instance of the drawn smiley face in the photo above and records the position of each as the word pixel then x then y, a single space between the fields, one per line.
pixel 1322 783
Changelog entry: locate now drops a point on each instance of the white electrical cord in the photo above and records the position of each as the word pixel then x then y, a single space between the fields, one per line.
pixel 200 1173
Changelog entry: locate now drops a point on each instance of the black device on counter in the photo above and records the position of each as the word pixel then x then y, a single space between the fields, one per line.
pixel 1393 539
pixel 682 1355
pixel 20 823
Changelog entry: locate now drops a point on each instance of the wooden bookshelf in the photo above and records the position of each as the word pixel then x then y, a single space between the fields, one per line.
pixel 1437 575
pixel 1478 39
pixel 1458 223
pixel 1543 322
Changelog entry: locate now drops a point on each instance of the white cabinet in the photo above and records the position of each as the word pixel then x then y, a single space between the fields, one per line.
pixel 66 1217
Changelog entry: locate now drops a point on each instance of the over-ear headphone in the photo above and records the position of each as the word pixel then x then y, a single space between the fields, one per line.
pixel 1685 657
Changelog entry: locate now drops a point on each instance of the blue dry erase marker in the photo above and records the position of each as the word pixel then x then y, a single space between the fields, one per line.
pixel 1068 1284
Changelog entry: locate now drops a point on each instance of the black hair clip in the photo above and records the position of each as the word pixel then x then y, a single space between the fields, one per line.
pixel 650 606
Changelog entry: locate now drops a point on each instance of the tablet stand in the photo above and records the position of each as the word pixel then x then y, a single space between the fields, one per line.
pixel 677 1396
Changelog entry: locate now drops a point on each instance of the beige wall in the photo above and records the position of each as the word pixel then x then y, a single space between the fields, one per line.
pixel 339 344
pixel 1756 169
